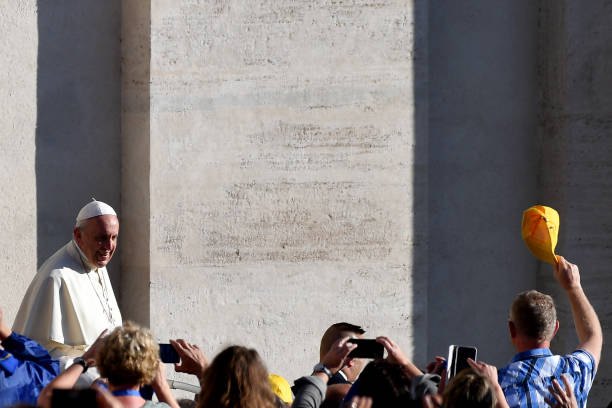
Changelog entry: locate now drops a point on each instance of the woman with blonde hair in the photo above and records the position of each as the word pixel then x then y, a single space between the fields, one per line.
pixel 128 358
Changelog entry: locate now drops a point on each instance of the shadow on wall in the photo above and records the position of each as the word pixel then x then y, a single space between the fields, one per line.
pixel 482 149
pixel 78 122
pixel 420 182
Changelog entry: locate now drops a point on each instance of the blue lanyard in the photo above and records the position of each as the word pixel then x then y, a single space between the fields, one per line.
pixel 126 393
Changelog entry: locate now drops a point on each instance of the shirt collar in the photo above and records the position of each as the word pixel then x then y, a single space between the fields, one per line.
pixel 343 375
pixel 84 259
pixel 527 354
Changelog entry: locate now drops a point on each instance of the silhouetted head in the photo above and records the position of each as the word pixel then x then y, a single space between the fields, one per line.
pixel 387 384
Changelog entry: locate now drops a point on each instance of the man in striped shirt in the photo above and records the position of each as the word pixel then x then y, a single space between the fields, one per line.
pixel 533 323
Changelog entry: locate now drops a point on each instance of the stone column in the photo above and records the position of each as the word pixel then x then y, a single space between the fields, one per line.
pixel 282 198
pixel 135 160
pixel 577 119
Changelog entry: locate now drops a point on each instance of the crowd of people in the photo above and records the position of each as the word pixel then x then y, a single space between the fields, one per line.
pixel 51 357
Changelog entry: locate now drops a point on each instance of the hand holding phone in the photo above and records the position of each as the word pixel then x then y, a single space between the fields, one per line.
pixel 168 354
pixel 457 359
pixel 366 348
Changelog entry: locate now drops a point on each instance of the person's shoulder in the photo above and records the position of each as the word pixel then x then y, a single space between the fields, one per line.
pixel 510 367
pixel 581 365
pixel 507 375
pixel 63 262
pixel 581 356
pixel 511 372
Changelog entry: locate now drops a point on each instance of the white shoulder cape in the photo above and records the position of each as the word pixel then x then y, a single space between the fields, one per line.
pixel 63 304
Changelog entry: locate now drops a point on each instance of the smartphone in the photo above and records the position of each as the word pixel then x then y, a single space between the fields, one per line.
pixel 457 359
pixel 168 354
pixel 85 398
pixel 366 348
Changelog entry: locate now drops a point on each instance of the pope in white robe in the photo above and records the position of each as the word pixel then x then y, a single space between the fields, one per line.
pixel 70 300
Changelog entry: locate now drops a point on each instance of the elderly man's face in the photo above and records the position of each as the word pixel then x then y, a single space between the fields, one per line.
pixel 97 238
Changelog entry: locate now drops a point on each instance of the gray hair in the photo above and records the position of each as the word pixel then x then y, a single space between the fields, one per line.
pixel 80 224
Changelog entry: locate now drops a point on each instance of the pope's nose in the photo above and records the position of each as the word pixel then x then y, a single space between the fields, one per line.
pixel 107 244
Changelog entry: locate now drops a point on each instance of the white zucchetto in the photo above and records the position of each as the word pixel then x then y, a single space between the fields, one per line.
pixel 94 209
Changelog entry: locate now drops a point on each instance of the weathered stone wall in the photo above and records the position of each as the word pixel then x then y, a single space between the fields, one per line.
pixel 282 144
pixel 18 48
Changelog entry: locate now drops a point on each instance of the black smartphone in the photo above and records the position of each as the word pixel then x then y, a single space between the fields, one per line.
pixel 366 348
pixel 85 398
pixel 168 354
pixel 457 359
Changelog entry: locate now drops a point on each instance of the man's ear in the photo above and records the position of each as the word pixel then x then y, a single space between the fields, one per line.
pixel 512 328
pixel 349 362
pixel 77 234
pixel 556 328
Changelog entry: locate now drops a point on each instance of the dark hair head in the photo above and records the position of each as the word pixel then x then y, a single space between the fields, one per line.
pixel 534 315
pixel 386 383
pixel 236 378
pixel 335 332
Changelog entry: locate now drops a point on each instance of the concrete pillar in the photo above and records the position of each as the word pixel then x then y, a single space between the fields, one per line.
pixel 579 118
pixel 17 157
pixel 135 160
pixel 483 162
pixel 554 167
pixel 282 139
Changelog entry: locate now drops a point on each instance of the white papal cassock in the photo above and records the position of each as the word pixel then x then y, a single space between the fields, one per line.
pixel 68 304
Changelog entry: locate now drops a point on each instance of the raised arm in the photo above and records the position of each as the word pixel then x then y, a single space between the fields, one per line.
pixel 24 348
pixel 311 389
pixel 5 332
pixel 193 360
pixel 395 355
pixel 586 321
pixel 68 378
pixel 161 387
pixel 490 372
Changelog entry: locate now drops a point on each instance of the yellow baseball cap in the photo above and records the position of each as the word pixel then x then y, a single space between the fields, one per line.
pixel 540 231
pixel 281 388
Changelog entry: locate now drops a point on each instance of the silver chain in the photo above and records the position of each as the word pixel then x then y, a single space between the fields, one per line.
pixel 108 311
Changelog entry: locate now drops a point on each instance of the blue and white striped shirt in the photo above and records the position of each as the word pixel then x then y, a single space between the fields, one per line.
pixel 526 379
